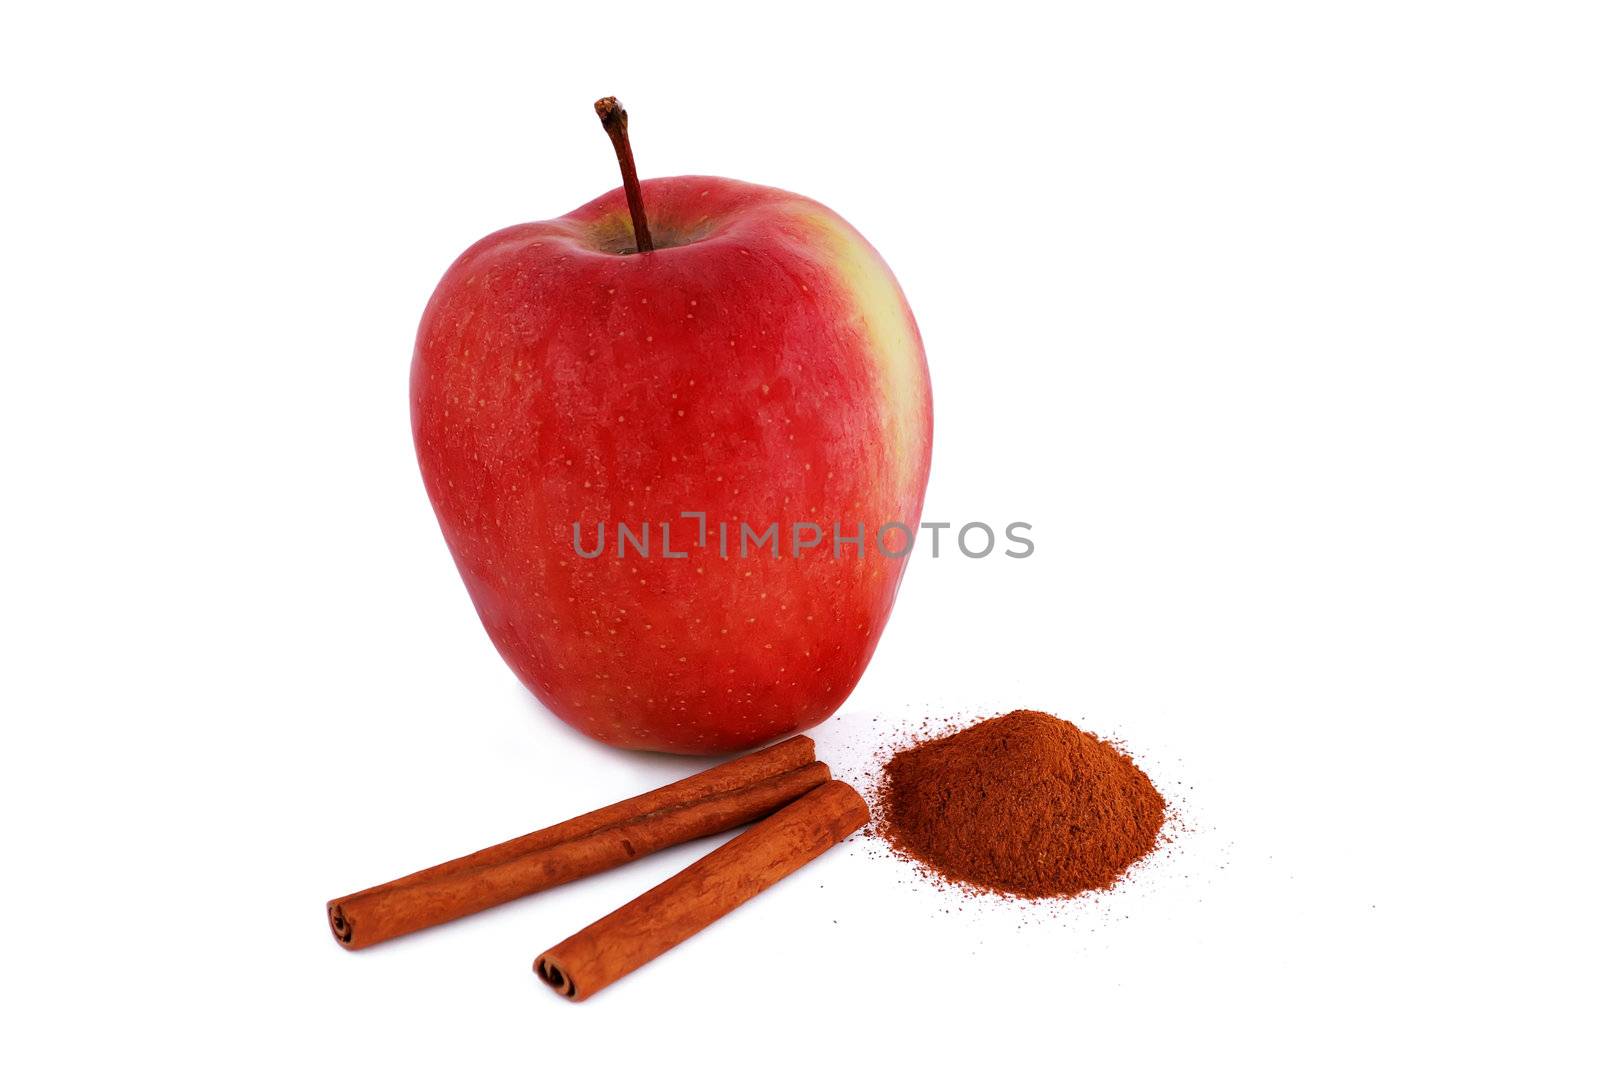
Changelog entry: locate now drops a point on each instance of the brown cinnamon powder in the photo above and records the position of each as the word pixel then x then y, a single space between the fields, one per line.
pixel 1025 804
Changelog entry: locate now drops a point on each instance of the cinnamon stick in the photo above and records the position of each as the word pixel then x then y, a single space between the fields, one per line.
pixel 693 899
pixel 713 801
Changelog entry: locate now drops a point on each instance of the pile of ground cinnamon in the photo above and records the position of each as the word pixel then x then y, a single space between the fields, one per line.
pixel 1025 804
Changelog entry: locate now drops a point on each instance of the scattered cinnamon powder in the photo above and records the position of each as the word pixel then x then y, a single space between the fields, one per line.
pixel 1025 803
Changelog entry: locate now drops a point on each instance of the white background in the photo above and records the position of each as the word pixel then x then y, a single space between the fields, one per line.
pixel 1278 322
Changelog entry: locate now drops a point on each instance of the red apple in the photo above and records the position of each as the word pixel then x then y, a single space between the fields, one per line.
pixel 758 365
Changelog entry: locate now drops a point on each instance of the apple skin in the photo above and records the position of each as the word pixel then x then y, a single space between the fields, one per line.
pixel 760 365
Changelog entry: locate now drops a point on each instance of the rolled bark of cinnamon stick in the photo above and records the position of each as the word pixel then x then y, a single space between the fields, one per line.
pixel 713 801
pixel 697 896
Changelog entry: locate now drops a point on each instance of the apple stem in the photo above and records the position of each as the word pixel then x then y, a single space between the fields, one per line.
pixel 615 120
